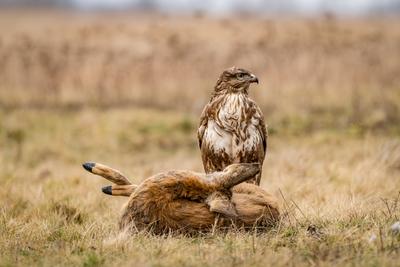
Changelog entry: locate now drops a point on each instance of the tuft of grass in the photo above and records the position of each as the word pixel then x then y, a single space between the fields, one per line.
pixel 93 259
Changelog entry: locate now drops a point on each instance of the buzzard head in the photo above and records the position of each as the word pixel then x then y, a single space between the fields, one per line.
pixel 235 80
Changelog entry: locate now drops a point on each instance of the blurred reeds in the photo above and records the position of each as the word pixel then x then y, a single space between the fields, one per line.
pixel 314 73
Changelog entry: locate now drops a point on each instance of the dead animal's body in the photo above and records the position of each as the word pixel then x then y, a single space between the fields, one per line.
pixel 186 201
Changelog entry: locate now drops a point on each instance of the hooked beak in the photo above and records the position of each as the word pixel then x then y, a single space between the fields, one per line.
pixel 253 79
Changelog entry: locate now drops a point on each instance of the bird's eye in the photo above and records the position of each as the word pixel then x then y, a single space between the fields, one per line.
pixel 240 75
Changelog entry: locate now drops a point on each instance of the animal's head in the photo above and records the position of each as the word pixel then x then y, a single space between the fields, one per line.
pixel 235 80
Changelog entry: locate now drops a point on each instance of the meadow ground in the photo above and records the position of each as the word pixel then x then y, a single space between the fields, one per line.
pixel 340 192
pixel 127 91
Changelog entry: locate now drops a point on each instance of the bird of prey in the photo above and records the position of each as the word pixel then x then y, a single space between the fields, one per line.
pixel 232 128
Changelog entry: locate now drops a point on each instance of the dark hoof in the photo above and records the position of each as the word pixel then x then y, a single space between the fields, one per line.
pixel 88 166
pixel 107 190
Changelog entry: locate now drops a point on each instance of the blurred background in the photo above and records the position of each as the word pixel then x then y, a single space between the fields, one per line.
pixel 123 82
pixel 311 55
pixel 261 7
pixel 324 66
pixel 107 78
pixel 339 59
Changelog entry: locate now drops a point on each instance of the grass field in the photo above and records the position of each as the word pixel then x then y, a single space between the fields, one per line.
pixel 127 91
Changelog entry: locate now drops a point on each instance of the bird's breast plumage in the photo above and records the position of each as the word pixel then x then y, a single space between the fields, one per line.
pixel 233 129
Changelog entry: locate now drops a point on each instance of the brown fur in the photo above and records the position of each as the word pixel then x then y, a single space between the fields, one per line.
pixel 179 201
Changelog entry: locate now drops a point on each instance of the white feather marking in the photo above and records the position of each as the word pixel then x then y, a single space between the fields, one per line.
pixel 221 135
pixel 218 139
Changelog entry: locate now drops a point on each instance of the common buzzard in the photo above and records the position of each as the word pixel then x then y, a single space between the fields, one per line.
pixel 232 128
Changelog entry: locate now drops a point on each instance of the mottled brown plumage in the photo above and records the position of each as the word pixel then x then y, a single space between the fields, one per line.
pixel 232 128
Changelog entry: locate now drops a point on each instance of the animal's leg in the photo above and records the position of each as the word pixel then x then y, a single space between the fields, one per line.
pixel 194 186
pixel 106 172
pixel 220 202
pixel 234 174
pixel 119 190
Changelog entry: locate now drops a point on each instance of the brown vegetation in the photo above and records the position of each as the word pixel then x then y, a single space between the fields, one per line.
pixel 345 71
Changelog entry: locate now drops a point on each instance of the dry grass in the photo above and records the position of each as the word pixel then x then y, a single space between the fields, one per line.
pixel 330 93
pixel 347 69
pixel 338 192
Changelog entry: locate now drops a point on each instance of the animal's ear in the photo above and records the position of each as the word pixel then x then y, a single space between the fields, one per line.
pixel 235 174
pixel 106 172
pixel 220 203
